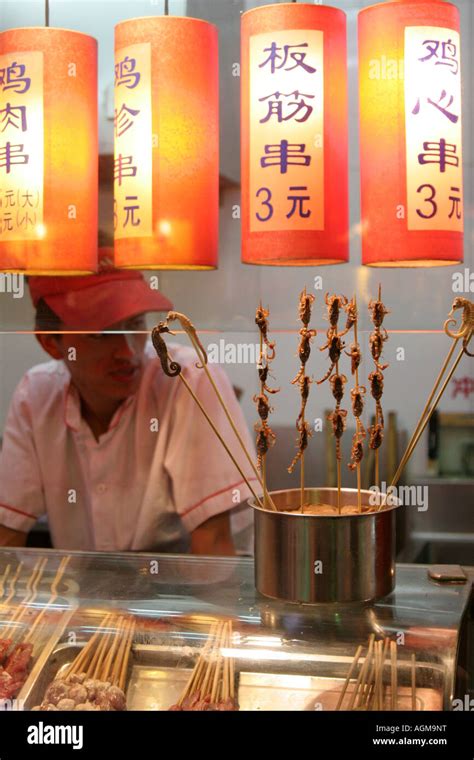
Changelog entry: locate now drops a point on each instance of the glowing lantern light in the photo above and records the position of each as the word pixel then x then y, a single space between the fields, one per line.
pixel 48 151
pixel 294 135
pixel 410 134
pixel 166 163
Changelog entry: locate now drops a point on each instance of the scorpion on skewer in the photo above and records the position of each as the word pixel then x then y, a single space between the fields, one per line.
pixel 337 386
pixel 305 434
pixel 378 312
pixel 357 396
pixel 304 351
pixel 357 451
pixel 376 389
pixel 355 356
pixel 376 340
pixel 265 438
pixel 306 302
pixel 375 435
pixel 338 421
pixel 334 303
pixel 335 346
pixel 263 372
pixel 261 320
pixel 263 406
pixel 351 310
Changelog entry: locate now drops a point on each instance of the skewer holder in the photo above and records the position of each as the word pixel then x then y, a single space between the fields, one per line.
pixel 309 559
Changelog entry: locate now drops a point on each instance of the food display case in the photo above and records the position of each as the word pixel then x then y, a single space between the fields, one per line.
pixel 153 625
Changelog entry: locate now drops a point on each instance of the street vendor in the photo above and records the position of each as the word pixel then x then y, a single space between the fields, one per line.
pixel 116 453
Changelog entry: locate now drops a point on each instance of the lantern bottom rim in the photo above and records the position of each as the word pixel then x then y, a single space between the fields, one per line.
pixel 171 267
pixel 413 263
pixel 295 262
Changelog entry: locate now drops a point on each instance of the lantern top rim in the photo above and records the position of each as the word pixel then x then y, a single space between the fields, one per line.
pixel 386 3
pixel 46 29
pixel 166 19
pixel 293 5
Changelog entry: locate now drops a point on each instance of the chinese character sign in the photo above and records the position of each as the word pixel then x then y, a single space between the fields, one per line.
pixel 133 142
pixel 48 151
pixel 294 145
pixel 166 143
pixel 21 146
pixel 286 130
pixel 410 134
pixel 433 129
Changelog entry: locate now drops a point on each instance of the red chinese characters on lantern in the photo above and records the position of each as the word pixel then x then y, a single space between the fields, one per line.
pixel 433 129
pixel 286 131
pixel 133 142
pixel 21 146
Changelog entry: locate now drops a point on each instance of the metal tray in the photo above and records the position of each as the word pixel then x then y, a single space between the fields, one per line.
pixel 157 675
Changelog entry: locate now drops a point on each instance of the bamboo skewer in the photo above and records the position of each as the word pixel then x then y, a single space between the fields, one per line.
pixel 413 682
pixel 393 661
pixel 304 382
pixel 423 421
pixel 362 673
pixel 54 594
pixel 190 331
pixel 206 415
pixel 348 677
pixel 3 581
pixel 128 646
pixel 358 422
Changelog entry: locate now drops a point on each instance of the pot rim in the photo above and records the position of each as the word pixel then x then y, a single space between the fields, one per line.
pixel 370 515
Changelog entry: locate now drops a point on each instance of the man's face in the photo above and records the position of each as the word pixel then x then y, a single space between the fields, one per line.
pixel 106 365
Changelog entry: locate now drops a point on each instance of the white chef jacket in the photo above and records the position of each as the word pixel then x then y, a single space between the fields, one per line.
pixel 152 478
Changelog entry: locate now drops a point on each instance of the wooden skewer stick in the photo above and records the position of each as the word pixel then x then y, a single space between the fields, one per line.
pixel 413 682
pixel 128 648
pixel 377 420
pixel 219 663
pixel 358 423
pixel 112 650
pixel 211 662
pixel 242 474
pixel 362 673
pixel 191 333
pixel 231 666
pixel 264 456
pixel 423 421
pixel 32 590
pixel 393 660
pixel 3 582
pixel 77 664
pixel 338 466
pixel 54 594
pixel 233 425
pixel 194 679
pixel 100 653
pixel 117 664
pixel 348 677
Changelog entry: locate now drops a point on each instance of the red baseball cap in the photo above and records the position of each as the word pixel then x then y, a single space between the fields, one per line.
pixel 97 301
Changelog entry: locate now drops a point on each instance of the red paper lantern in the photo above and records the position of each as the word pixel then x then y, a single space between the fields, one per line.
pixel 294 135
pixel 48 151
pixel 166 167
pixel 410 134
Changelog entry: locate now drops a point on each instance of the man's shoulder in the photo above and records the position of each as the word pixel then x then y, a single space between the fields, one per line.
pixel 45 380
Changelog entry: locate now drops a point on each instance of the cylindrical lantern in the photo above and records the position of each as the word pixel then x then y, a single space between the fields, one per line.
pixel 48 151
pixel 166 162
pixel 410 134
pixel 294 135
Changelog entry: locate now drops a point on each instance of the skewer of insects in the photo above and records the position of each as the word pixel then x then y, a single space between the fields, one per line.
pixel 376 379
pixel 335 346
pixel 304 382
pixel 357 398
pixel 265 435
